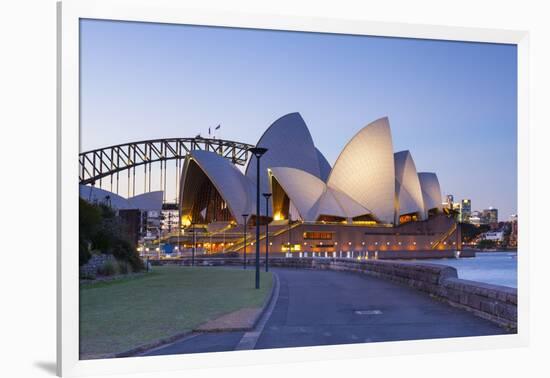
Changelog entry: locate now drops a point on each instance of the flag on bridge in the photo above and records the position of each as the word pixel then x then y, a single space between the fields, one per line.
pixel 218 127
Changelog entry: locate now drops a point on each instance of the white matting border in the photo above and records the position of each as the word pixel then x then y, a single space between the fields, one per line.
pixel 170 11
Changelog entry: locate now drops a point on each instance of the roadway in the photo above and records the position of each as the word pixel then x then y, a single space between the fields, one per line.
pixel 329 308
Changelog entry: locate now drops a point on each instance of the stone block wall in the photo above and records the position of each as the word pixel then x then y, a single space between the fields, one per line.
pixel 492 302
pixel 96 262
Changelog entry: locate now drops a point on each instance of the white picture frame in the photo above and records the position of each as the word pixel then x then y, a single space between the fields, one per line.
pixel 69 14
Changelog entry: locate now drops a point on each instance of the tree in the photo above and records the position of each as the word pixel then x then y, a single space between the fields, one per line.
pixel 470 231
pixel 89 221
pixel 486 244
pixel 101 229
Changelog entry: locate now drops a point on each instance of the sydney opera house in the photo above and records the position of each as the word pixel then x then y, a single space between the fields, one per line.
pixel 372 202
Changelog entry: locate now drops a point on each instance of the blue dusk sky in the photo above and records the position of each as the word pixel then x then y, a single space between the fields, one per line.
pixel 452 104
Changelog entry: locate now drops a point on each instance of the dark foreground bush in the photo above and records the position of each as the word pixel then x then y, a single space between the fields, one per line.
pixel 107 269
pixel 123 267
pixel 125 251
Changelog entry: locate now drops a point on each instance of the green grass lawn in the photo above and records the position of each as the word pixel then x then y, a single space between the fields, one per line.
pixel 120 315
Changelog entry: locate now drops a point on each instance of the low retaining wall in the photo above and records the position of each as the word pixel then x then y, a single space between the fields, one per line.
pixel 431 254
pixel 492 302
pixel 90 269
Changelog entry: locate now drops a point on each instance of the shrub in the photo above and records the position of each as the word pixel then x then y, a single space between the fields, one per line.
pixel 107 269
pixel 125 251
pixel 123 267
pixel 470 231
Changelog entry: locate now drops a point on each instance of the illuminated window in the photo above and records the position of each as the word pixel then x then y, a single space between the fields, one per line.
pixel 293 248
pixel 330 219
pixel 405 218
pixel 308 235
pixel 366 219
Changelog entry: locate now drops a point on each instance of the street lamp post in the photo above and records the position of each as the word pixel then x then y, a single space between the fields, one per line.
pixel 258 152
pixel 289 230
pixel 245 216
pixel 266 195
pixel 194 243
pixel 179 230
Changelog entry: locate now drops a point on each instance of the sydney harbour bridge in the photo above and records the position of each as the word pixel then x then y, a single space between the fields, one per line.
pixel 135 168
pixel 140 167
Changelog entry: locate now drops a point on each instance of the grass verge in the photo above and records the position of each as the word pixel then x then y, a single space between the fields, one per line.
pixel 119 315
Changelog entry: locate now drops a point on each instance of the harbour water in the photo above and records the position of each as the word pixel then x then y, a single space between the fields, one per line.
pixel 498 268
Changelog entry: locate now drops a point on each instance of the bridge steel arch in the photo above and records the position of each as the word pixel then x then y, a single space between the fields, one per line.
pixel 110 161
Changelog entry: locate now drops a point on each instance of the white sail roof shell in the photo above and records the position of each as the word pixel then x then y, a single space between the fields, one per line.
pixel 302 188
pixel 431 192
pixel 365 170
pixel 233 186
pixel 349 206
pixel 313 198
pixel 408 194
pixel 289 144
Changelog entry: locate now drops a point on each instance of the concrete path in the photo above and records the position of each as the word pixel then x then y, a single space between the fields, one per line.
pixel 328 308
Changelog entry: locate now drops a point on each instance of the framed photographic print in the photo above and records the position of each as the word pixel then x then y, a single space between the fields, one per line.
pixel 271 188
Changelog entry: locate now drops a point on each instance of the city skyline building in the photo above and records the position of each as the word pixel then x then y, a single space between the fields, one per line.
pixel 465 210
pixel 475 218
pixel 490 216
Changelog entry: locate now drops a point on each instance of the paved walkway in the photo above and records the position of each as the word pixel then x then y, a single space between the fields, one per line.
pixel 327 308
